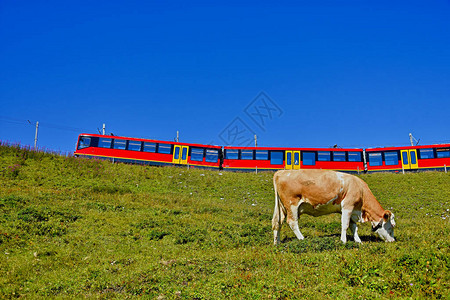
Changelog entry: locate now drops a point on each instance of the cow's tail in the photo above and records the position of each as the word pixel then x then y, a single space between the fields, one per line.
pixel 278 213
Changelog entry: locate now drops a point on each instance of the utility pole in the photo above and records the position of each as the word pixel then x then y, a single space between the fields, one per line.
pixel 36 135
pixel 178 136
pixel 256 141
pixel 104 129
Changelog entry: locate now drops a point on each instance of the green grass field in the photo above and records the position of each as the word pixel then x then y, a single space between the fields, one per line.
pixel 75 228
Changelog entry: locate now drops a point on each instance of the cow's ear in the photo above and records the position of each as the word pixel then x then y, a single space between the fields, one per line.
pixel 387 215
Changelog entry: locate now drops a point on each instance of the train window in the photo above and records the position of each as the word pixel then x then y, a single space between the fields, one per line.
pixel 405 160
pixel 104 143
pixel 176 155
pixel 443 153
pixel 413 157
pixel 246 154
pixel 339 156
pixel 120 144
pixel 184 153
pixel 309 158
pixel 134 145
pixel 262 154
pixel 354 156
pixel 324 156
pixel 212 155
pixel 197 154
pixel 426 153
pixel 84 142
pixel 276 157
pixel 391 158
pixel 375 159
pixel 231 154
pixel 164 148
pixel 149 147
pixel 289 158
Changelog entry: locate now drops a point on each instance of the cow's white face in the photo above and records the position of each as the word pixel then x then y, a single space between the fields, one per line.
pixel 386 231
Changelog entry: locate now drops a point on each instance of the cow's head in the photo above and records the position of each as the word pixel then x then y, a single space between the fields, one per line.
pixel 385 228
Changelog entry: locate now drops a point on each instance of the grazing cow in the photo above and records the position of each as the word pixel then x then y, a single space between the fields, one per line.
pixel 322 192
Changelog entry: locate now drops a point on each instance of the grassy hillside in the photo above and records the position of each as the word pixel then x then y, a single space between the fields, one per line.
pixel 85 228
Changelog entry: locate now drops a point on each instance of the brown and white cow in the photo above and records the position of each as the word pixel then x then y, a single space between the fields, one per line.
pixel 322 192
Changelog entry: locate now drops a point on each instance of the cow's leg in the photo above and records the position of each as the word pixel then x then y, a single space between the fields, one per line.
pixel 277 221
pixel 354 230
pixel 345 222
pixel 292 220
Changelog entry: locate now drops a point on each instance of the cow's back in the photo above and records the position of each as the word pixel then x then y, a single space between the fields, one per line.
pixel 314 186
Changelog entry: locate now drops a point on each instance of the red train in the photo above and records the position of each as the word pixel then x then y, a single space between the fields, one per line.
pixel 153 152
pixel 265 159
pixel 397 159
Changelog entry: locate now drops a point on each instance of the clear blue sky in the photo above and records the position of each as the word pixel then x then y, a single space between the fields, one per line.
pixel 352 73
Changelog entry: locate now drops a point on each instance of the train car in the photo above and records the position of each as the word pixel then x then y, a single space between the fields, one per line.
pixel 270 159
pixel 150 152
pixel 412 158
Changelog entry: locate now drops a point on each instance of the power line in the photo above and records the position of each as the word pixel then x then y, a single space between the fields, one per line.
pixel 43 124
pixel 14 122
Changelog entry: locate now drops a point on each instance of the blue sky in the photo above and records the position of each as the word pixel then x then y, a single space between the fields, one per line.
pixel 295 73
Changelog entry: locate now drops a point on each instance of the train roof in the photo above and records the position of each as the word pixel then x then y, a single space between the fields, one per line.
pixel 407 147
pixel 292 148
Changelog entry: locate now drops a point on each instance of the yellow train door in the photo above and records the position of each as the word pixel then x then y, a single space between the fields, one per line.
pixel 292 161
pixel 409 159
pixel 180 154
pixel 288 160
